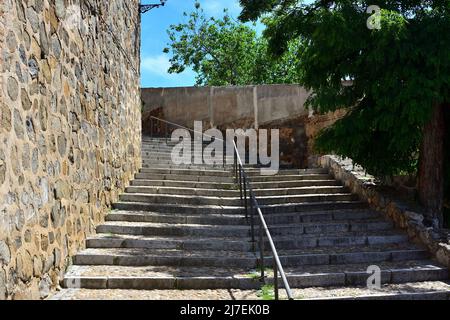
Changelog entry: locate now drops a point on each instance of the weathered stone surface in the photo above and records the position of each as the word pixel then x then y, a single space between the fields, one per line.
pixel 62 145
pixel 20 222
pixel 56 46
pixel 62 190
pixel 2 285
pixel 44 287
pixel 35 160
pixel 18 124
pixel 2 171
pixel 5 254
pixel 60 8
pixel 13 88
pixel 33 19
pixel 26 102
pixel 5 118
pixel 33 68
pixel 24 265
pixel 37 266
pixel 19 72
pixel 43 37
pixel 11 41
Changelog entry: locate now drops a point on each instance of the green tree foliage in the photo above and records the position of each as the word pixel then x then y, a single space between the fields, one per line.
pixel 223 51
pixel 398 73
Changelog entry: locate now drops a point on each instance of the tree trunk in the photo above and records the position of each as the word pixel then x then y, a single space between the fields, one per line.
pixel 431 167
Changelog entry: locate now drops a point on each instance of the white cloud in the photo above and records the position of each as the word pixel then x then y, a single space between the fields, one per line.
pixel 157 65
pixel 154 73
pixel 215 7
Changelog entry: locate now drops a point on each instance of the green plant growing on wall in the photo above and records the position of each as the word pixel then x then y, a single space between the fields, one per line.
pixel 267 292
pixel 398 80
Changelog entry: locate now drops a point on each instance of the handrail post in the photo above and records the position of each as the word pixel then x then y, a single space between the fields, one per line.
pixel 245 193
pixel 235 166
pixel 251 207
pixel 240 180
pixel 261 252
pixel 275 279
pixel 252 226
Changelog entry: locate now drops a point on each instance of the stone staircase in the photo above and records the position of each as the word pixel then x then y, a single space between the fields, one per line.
pixel 183 228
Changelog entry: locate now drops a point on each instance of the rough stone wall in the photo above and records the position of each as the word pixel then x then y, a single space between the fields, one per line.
pixel 407 217
pixel 314 125
pixel 70 124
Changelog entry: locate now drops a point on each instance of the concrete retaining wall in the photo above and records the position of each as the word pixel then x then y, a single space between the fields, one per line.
pixel 219 106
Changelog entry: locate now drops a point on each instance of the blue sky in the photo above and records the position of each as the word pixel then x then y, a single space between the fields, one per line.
pixel 154 63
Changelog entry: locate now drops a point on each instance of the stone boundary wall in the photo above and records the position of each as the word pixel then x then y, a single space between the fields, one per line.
pixel 401 214
pixel 70 131
pixel 221 106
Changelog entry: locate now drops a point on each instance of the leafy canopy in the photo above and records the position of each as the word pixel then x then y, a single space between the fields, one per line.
pixel 223 51
pixel 398 73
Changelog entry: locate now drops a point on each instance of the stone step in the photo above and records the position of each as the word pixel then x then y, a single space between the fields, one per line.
pixel 179 243
pixel 190 191
pixel 329 227
pixel 175 257
pixel 161 142
pixel 170 165
pixel 194 172
pixel 164 153
pixel 232 185
pixel 163 149
pixel 356 274
pixel 278 178
pixel 430 290
pixel 206 175
pixel 164 277
pixel 282 174
pixel 161 229
pixel 184 178
pixel 355 255
pixel 153 157
pixel 223 219
pixel 329 241
pixel 165 257
pixel 154 217
pixel 233 201
pixel 165 141
pixel 203 230
pixel 148 160
pixel 167 154
pixel 215 209
pixel 294 184
pixel 157 148
pixel 337 240
pixel 184 184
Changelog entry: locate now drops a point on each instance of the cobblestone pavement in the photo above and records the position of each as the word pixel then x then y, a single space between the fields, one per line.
pixel 299 294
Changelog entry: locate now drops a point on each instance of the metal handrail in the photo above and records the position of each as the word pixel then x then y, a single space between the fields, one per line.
pixel 245 183
pixel 248 197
